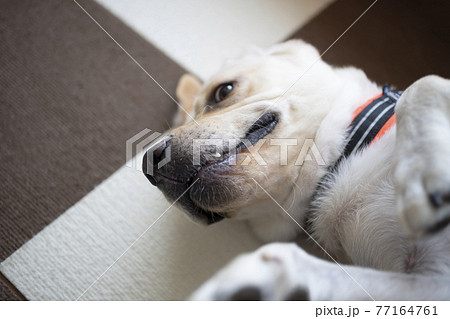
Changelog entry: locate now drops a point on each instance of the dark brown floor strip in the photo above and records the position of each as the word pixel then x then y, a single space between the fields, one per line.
pixel 8 292
pixel 69 100
pixel 396 42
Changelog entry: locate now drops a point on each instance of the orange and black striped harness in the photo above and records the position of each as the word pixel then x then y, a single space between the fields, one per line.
pixel 370 122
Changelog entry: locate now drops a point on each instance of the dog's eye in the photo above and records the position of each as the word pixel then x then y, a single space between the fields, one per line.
pixel 222 92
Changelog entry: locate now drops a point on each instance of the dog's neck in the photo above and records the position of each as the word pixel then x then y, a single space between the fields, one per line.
pixel 355 89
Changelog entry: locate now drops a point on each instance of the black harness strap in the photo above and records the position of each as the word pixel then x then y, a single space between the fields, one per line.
pixel 361 132
pixel 366 125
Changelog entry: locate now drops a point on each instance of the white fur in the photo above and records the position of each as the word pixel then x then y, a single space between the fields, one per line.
pixel 375 209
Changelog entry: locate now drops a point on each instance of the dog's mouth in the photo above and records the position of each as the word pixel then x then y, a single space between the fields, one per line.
pixel 260 129
pixel 210 176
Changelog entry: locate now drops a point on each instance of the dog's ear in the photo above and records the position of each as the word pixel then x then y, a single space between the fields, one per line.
pixel 187 89
pixel 295 49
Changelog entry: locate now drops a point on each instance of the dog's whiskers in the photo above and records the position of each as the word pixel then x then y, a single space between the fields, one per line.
pixel 294 196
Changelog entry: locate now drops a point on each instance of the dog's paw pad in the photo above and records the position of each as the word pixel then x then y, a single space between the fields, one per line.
pixel 246 293
pixel 298 294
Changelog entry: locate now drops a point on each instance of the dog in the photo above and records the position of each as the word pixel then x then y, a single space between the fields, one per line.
pixel 378 214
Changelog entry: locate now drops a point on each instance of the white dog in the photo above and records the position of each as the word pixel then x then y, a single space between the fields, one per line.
pixel 378 208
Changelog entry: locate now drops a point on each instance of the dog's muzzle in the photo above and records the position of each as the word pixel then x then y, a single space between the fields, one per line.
pixel 175 179
pixel 169 165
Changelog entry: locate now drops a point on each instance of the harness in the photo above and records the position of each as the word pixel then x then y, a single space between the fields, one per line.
pixel 370 122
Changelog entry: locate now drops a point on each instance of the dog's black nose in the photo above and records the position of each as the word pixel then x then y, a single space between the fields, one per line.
pixel 158 151
pixel 169 166
pixel 145 170
pixel 151 159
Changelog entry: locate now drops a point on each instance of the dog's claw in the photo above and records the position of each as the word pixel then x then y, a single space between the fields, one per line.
pixel 436 199
pixel 440 201
pixel 425 212
pixel 439 225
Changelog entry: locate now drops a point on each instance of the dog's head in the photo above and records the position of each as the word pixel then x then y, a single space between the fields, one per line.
pixel 241 135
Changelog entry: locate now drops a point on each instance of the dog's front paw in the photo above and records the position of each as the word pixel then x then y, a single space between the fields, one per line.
pixel 422 173
pixel 270 273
